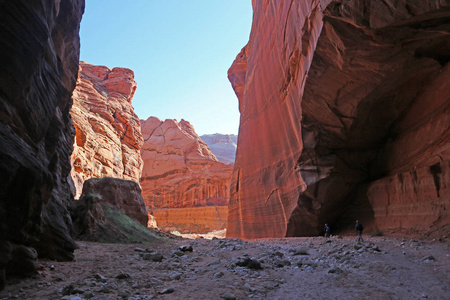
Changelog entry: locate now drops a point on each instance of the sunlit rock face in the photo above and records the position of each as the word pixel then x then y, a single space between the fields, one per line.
pixel 39 53
pixel 223 146
pixel 108 137
pixel 344 114
pixel 180 172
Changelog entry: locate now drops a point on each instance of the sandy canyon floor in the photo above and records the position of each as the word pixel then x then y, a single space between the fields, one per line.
pixel 289 268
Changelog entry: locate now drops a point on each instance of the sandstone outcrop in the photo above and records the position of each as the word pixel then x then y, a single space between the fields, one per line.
pixel 39 53
pixel 180 171
pixel 108 133
pixel 223 146
pixel 99 213
pixel 344 114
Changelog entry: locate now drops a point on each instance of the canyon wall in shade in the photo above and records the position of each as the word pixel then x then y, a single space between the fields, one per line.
pixel 39 53
pixel 180 172
pixel 344 114
pixel 108 137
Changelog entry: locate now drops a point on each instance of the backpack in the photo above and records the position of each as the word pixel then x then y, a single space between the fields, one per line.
pixel 359 227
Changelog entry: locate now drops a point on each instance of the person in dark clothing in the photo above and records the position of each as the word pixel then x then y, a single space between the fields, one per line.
pixel 359 229
pixel 327 230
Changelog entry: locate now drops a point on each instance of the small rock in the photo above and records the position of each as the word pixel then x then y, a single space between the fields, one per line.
pixel 186 248
pixel 100 277
pixel 430 258
pixel 52 267
pixel 137 249
pixel 167 291
pixel 424 296
pixel 156 256
pixel 122 276
pixel 218 275
pixel 228 296
pixel 250 263
pixel 176 276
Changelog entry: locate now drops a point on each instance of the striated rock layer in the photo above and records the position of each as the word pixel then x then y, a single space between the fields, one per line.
pixel 108 133
pixel 223 146
pixel 179 169
pixel 344 114
pixel 39 53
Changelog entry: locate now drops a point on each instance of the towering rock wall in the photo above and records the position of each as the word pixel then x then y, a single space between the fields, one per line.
pixel 344 113
pixel 108 137
pixel 181 172
pixel 39 53
pixel 223 146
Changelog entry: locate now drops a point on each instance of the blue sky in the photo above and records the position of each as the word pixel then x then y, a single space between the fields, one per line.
pixel 179 50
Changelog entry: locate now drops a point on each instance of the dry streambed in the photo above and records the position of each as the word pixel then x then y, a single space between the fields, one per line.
pixel 290 268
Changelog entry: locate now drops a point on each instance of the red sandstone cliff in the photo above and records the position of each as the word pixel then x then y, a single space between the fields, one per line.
pixel 180 172
pixel 344 114
pixel 39 53
pixel 108 133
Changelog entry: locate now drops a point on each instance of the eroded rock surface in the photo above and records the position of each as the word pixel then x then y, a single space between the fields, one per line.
pixel 180 172
pixel 39 53
pixel 100 213
pixel 344 114
pixel 223 146
pixel 108 132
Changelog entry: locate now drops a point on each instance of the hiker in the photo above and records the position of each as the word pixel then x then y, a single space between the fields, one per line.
pixel 359 229
pixel 327 230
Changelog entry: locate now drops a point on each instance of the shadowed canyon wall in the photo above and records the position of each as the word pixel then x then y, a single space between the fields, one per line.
pixel 39 53
pixel 344 114
pixel 108 137
pixel 180 173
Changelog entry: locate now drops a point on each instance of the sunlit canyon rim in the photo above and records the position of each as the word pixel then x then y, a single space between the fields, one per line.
pixel 108 137
pixel 344 114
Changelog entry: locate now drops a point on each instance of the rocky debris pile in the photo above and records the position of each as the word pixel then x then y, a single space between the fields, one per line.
pixel 237 269
pixel 111 210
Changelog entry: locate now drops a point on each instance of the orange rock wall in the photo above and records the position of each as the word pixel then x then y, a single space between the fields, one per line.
pixel 179 170
pixel 333 111
pixel 193 219
pixel 108 133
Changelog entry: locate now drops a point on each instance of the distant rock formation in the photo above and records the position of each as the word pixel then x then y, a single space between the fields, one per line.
pixel 344 114
pixel 104 210
pixel 223 146
pixel 180 172
pixel 108 133
pixel 39 53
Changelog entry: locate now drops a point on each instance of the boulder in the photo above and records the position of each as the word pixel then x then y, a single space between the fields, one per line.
pixel 110 210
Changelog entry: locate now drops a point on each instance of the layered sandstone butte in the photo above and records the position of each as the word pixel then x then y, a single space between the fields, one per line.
pixel 39 53
pixel 108 137
pixel 345 113
pixel 223 146
pixel 181 173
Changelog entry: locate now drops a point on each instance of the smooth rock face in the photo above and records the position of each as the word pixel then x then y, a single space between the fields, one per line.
pixel 39 53
pixel 108 133
pixel 223 146
pixel 179 170
pixel 89 217
pixel 344 115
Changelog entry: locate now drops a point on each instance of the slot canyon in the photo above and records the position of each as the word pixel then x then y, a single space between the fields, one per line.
pixel 344 115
